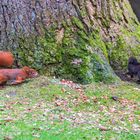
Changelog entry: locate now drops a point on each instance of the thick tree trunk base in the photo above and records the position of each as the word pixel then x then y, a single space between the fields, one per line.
pixel 73 39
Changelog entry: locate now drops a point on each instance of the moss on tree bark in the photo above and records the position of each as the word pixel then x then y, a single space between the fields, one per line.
pixel 80 40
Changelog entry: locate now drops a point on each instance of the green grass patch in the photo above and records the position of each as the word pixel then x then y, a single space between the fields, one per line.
pixel 44 109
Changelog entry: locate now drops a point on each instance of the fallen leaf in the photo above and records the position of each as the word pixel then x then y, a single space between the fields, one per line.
pixel 7 138
pixel 102 128
pixel 8 119
pixel 63 90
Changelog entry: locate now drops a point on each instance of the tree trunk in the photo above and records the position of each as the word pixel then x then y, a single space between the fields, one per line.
pixel 74 39
pixel 136 7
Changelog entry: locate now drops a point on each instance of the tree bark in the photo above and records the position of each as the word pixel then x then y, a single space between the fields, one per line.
pixel 75 39
pixel 135 5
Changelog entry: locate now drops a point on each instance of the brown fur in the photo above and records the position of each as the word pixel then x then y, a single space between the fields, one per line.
pixel 16 76
pixel 6 59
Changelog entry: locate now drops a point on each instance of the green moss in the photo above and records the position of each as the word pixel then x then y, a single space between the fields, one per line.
pixel 118 55
pixel 78 23
pixel 96 41
pixel 125 46
pixel 81 56
pixel 59 59
pixel 79 46
pixel 40 52
pixel 106 22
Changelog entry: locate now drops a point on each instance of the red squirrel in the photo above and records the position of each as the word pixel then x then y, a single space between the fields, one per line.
pixel 16 76
pixel 6 59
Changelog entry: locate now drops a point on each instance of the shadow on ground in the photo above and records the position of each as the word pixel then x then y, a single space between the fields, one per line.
pixel 124 77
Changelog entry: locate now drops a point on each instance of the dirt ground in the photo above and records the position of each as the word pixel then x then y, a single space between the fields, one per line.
pixel 124 77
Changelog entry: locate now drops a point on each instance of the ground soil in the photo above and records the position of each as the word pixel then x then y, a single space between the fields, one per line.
pixel 125 77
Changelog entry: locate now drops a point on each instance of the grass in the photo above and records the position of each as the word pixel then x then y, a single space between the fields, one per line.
pixel 44 109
